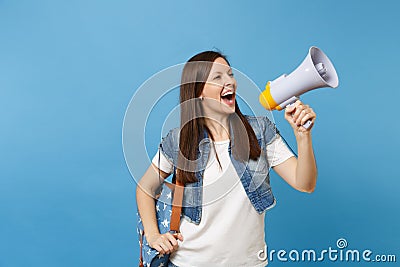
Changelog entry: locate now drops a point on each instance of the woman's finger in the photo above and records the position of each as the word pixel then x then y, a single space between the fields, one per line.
pixel 179 236
pixel 298 111
pixel 167 241
pixel 311 114
pixel 172 240
pixel 159 249
pixel 167 248
pixel 289 109
pixel 307 117
pixel 300 117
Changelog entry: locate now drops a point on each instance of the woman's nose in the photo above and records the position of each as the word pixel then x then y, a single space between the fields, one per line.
pixel 229 81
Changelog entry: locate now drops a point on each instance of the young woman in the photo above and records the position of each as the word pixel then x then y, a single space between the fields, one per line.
pixel 223 159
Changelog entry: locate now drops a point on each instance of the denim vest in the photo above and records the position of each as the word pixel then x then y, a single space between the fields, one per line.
pixel 254 174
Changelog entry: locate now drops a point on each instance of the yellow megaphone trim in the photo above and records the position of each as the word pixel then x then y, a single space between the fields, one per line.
pixel 266 99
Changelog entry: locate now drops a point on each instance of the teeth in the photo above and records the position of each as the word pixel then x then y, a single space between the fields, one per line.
pixel 228 93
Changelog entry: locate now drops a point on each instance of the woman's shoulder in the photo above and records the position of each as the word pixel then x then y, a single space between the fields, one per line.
pixel 262 126
pixel 170 144
pixel 260 121
pixel 171 139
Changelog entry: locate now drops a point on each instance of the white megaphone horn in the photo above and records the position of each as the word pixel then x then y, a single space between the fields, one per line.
pixel 314 72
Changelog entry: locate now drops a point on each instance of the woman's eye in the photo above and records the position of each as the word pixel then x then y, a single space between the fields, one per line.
pixel 231 74
pixel 217 77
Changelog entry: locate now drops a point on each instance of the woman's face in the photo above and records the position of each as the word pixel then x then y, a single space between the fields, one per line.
pixel 219 92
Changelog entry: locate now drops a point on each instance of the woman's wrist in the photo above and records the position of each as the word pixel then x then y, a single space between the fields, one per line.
pixel 303 136
pixel 149 235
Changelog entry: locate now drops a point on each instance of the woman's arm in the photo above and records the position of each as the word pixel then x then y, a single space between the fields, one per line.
pixel 145 192
pixel 300 173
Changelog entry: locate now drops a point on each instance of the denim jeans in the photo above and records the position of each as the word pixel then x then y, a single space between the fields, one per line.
pixel 170 264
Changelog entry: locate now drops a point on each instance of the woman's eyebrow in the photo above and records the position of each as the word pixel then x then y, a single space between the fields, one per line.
pixel 220 72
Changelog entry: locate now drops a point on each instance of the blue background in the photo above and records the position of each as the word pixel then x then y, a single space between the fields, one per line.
pixel 68 70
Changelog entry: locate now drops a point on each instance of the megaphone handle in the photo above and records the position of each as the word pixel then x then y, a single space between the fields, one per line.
pixel 308 123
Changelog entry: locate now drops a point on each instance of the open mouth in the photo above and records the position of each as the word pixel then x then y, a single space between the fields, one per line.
pixel 228 98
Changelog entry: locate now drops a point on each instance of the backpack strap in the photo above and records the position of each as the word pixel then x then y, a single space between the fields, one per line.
pixel 176 207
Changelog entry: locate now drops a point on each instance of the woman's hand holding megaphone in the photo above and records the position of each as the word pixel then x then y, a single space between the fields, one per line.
pixel 297 115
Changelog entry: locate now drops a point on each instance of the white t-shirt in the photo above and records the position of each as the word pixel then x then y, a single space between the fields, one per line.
pixel 231 231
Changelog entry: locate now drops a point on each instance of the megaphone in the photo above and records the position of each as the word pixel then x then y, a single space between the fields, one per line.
pixel 316 71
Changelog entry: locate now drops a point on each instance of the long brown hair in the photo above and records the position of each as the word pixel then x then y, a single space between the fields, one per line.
pixel 194 77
